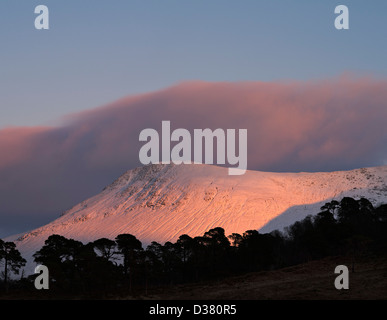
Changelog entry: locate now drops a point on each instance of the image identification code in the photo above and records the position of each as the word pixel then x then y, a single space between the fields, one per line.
pixel 202 309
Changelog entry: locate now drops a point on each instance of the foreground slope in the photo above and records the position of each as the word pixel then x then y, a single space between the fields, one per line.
pixel 313 280
pixel 162 202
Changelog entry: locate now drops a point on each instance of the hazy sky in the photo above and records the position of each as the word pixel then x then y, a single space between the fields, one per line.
pixel 327 125
pixel 313 97
pixel 98 51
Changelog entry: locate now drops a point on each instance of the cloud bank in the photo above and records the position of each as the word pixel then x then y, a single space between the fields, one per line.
pixel 326 125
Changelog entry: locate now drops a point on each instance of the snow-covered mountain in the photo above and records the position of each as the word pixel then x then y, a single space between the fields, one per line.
pixel 161 202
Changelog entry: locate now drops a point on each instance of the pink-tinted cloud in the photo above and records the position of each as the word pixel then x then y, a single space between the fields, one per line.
pixel 332 124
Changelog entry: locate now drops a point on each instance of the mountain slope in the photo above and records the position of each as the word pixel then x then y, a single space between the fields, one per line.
pixel 162 202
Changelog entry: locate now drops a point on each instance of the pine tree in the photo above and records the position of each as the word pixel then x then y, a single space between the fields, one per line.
pixel 12 260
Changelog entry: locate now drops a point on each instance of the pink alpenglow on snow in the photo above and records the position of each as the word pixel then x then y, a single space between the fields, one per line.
pixel 326 125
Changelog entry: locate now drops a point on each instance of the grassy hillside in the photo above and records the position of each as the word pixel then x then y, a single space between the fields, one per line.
pixel 309 281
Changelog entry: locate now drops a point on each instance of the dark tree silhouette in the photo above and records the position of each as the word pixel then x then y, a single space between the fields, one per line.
pixel 349 208
pixel 105 247
pixel 56 250
pixel 154 262
pixel 236 239
pixel 217 250
pixel 68 260
pixel 366 207
pixel 331 207
pixel 216 238
pixel 185 244
pixel 11 258
pixel 129 247
pixel 381 213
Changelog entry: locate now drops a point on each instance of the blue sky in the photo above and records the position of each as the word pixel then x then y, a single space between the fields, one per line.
pixel 98 51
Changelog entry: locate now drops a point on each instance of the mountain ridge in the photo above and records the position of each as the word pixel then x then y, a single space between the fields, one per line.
pixel 161 202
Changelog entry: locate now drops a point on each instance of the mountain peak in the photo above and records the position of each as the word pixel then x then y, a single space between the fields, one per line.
pixel 160 202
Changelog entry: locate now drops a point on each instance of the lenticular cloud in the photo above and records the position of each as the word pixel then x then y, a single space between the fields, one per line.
pixel 328 125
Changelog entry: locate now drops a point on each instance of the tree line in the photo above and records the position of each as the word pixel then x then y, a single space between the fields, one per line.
pixel 107 266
